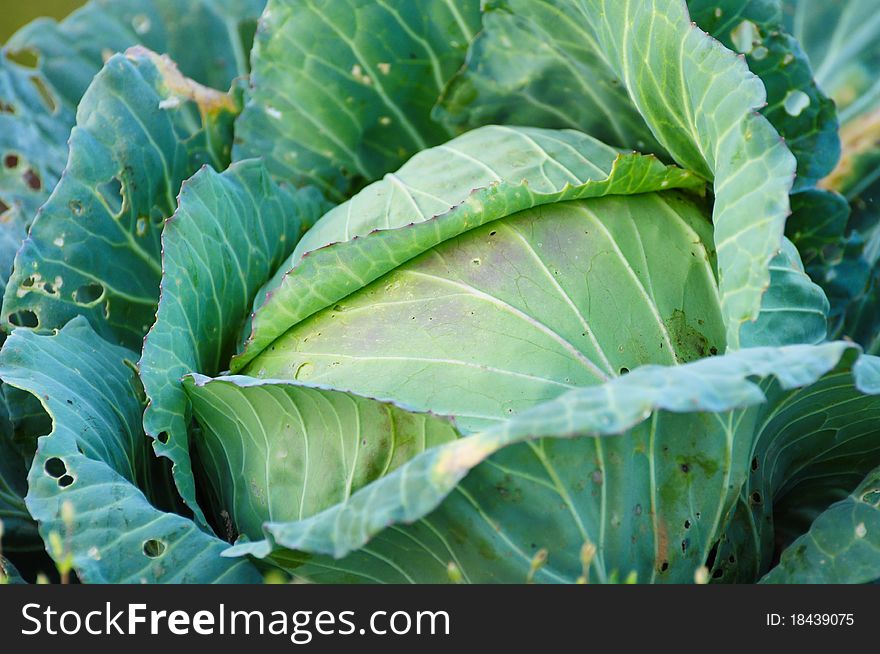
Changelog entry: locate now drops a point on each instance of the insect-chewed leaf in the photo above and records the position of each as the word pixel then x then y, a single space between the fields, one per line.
pixel 229 232
pixel 91 481
pixel 843 41
pixel 796 106
pixel 46 67
pixel 94 249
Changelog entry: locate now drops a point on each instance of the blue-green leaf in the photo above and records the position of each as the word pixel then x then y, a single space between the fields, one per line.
pixel 8 573
pixel 229 232
pixel 18 528
pixel 793 310
pixel 90 483
pixel 654 498
pixel 842 545
pixel 342 91
pixel 284 451
pixel 94 247
pixel 796 106
pixel 46 67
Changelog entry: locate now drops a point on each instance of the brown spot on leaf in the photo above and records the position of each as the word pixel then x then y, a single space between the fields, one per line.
pixel 32 180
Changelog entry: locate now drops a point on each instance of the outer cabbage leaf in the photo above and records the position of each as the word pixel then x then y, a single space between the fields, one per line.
pixel 287 451
pixel 500 505
pixel 814 446
pixel 32 155
pixel 229 232
pixel 90 485
pixel 38 104
pixel 842 545
pixel 18 530
pixel 209 40
pixel 817 223
pixel 94 248
pixel 796 106
pixel 794 310
pixel 843 40
pixel 8 573
pixel 538 63
pixel 342 91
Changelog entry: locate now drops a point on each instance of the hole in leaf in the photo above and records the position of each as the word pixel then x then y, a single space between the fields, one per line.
pixel 664 566
pixel 141 24
pixel 10 160
pixel 45 94
pixel 713 554
pixel 55 467
pixel 624 370
pixel 26 318
pixel 112 193
pixel 760 53
pixel 755 497
pixel 687 524
pixel 795 102
pixel 871 497
pixel 744 36
pixel 76 207
pixel 88 293
pixel 65 481
pixel 162 437
pixel 755 464
pixel 304 371
pixel 27 57
pixel 32 180
pixel 154 548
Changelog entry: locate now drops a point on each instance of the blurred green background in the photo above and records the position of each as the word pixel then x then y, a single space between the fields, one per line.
pixel 15 13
